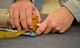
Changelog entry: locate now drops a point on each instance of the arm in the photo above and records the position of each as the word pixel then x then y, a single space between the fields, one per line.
pixel 74 7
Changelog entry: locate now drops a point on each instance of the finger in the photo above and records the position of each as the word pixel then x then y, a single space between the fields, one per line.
pixel 29 16
pixel 23 18
pixel 41 29
pixel 16 19
pixel 11 11
pixel 38 24
pixel 61 31
pixel 55 29
pixel 36 12
pixel 47 30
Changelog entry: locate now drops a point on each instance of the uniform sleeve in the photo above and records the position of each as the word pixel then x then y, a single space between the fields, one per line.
pixel 74 7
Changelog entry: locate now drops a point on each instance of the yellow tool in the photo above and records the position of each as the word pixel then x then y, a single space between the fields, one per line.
pixel 8 33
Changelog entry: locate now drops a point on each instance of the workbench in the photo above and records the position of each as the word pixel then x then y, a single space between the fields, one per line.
pixel 70 39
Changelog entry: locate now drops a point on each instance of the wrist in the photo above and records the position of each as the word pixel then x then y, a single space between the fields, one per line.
pixel 68 12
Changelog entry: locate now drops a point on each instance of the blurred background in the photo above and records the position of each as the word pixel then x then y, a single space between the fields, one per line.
pixel 44 6
pixel 5 3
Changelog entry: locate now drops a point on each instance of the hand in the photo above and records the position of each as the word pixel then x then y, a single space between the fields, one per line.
pixel 21 14
pixel 58 21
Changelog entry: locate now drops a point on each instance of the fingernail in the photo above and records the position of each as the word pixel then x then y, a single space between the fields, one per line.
pixel 13 27
pixel 26 29
pixel 37 32
pixel 19 29
pixel 38 24
pixel 31 28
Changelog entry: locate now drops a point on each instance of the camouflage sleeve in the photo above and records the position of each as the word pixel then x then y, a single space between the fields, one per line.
pixel 73 6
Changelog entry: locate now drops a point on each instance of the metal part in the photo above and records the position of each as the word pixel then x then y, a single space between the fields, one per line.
pixel 30 34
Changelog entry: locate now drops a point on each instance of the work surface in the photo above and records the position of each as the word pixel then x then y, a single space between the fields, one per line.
pixel 70 39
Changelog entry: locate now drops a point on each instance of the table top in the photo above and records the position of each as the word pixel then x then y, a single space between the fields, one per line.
pixel 70 39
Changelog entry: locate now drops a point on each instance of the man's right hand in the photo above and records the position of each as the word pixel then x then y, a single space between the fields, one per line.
pixel 21 14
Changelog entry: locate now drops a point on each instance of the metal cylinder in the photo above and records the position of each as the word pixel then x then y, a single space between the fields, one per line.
pixel 4 18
